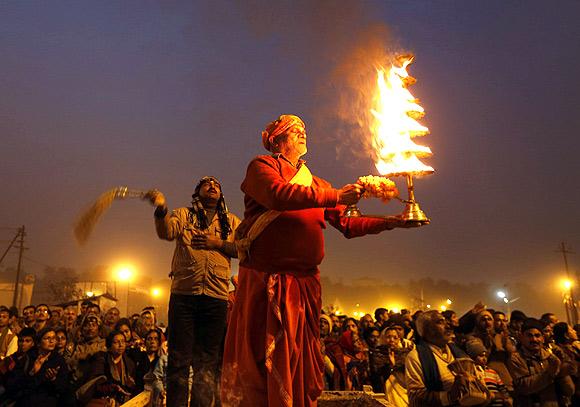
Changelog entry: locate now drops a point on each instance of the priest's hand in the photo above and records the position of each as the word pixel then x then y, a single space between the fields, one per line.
pixel 350 194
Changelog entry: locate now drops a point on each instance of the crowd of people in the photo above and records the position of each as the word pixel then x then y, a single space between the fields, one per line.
pixel 438 359
pixel 79 356
pixel 59 357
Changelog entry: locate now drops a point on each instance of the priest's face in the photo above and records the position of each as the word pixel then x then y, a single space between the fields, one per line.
pixel 293 144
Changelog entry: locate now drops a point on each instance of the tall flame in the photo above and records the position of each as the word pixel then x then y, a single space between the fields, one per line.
pixel 396 114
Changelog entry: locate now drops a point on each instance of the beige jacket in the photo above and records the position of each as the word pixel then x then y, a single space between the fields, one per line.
pixel 194 271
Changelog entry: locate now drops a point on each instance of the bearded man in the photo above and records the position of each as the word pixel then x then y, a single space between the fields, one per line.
pixel 204 237
pixel 272 352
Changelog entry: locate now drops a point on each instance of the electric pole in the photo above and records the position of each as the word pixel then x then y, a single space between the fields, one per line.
pixel 571 301
pixel 19 267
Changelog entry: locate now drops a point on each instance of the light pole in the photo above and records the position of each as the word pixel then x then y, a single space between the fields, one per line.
pixel 503 295
pixel 569 302
pixel 125 273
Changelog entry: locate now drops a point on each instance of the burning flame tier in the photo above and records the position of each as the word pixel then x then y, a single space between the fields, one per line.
pixel 395 125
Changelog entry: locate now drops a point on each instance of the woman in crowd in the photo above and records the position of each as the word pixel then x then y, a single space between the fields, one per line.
pixel 42 378
pixel 116 369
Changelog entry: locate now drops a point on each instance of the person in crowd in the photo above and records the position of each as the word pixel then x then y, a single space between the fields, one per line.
pixel 397 323
pixel 62 341
pixel 336 325
pixel 335 374
pixel 83 352
pixel 85 305
pixel 430 382
pixel 354 351
pixel 201 268
pixel 115 370
pixel 55 316
pixel 94 309
pixel 42 380
pixel 540 378
pixel 148 358
pixel 111 318
pixel 41 315
pixel 272 344
pixel 500 396
pixel 396 385
pixel 26 341
pixel 379 359
pixel 499 346
pixel 548 333
pixel 566 341
pixel 381 318
pixel 549 318
pixel 28 315
pixel 517 319
pixel 8 339
pixel 15 322
pixel 69 319
pixel 134 344
pixel 366 321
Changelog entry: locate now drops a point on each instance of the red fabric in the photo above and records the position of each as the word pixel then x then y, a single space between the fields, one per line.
pixel 272 350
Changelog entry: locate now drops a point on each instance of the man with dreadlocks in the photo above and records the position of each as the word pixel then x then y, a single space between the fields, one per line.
pixel 200 270
pixel 272 353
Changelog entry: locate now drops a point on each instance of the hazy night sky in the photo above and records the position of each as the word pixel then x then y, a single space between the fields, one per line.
pixel 158 94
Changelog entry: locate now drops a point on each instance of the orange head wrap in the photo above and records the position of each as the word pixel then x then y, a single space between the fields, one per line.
pixel 279 127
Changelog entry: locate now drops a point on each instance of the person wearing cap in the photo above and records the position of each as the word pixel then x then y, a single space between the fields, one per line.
pixel 82 352
pixel 499 392
pixel 540 378
pixel 272 352
pixel 200 272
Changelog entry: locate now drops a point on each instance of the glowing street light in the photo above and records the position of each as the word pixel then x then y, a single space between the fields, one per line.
pixel 90 294
pixel 449 302
pixel 125 272
pixel 443 308
pixel 567 284
pixel 501 294
pixel 155 292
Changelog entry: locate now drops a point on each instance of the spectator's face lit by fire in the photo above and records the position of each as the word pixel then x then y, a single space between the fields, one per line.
pixel 499 323
pixel 485 321
pixel 148 320
pixel 373 339
pixel 25 343
pixel 70 314
pixel 324 327
pixel 28 315
pixel 4 319
pixel 112 316
pixel 126 331
pixel 367 321
pixel 60 340
pixel 351 326
pixel 48 342
pixel 152 342
pixel 481 360
pixel 532 340
pixel 118 345
pixel 391 338
pixel 90 329
pixel 41 313
pixel 438 331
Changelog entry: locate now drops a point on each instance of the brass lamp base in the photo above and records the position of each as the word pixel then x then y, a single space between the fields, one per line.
pixel 413 214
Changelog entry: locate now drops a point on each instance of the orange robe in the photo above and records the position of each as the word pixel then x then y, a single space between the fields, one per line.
pixel 272 351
